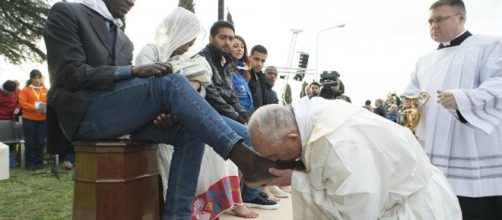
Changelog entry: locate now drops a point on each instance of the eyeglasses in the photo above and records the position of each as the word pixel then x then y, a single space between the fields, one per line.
pixel 440 20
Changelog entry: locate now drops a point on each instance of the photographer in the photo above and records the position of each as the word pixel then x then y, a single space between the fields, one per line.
pixel 332 86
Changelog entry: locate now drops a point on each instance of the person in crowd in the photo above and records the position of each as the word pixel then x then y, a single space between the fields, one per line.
pixel 460 127
pixel 315 89
pixel 306 91
pixel 220 93
pixel 9 104
pixel 33 101
pixel 9 108
pixel 367 105
pixel 358 165
pixel 379 108
pixel 257 59
pixel 240 75
pixel 394 115
pixel 174 36
pixel 97 94
pixel 269 95
pixel 334 90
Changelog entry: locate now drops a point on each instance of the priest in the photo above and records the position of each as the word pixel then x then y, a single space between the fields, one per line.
pixel 358 164
pixel 460 127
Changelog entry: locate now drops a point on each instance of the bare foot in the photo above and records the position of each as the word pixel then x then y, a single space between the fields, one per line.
pixel 243 212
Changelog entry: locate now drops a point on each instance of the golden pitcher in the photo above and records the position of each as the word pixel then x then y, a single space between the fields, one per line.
pixel 411 113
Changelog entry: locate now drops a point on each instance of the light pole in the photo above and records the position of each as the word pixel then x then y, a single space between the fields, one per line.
pixel 317 45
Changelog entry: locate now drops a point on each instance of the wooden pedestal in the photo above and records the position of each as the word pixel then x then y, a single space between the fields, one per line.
pixel 116 180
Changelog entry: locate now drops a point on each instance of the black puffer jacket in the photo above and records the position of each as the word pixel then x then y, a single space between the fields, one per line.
pixel 221 94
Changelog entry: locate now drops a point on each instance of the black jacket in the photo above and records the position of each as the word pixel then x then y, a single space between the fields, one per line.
pixel 262 91
pixel 269 95
pixel 81 61
pixel 221 94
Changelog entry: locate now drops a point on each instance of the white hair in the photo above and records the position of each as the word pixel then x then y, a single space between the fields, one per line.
pixel 272 123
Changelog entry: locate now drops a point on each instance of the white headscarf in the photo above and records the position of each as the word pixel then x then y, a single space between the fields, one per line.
pixel 100 7
pixel 178 28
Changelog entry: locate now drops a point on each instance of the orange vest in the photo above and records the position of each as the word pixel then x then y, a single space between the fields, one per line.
pixel 27 98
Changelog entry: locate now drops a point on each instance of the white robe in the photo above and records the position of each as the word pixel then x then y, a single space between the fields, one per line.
pixel 362 166
pixel 470 155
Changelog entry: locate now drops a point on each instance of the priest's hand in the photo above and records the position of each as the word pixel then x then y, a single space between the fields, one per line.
pixel 165 121
pixel 447 100
pixel 283 177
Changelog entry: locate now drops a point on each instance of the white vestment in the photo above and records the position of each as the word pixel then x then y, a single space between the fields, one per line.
pixel 362 166
pixel 470 154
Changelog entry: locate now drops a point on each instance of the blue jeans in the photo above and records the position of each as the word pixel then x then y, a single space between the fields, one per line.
pixel 131 108
pixel 35 133
pixel 12 156
pixel 249 193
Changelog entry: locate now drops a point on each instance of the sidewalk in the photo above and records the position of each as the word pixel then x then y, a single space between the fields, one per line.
pixel 284 212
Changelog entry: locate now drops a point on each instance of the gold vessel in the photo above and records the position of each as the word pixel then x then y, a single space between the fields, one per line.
pixel 411 112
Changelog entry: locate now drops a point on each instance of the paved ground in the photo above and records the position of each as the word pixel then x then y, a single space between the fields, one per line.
pixel 283 213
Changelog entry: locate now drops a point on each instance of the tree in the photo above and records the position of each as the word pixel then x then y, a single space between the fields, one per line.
pixel 187 4
pixel 21 26
pixel 229 17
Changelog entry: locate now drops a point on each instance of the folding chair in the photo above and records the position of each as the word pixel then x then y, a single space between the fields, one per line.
pixel 11 132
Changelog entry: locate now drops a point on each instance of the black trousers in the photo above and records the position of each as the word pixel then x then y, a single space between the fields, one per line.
pixel 481 208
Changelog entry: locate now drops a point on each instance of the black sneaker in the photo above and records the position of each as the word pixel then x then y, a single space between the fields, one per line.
pixel 261 202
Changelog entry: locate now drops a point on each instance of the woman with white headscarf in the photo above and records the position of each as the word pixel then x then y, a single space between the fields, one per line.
pixel 174 37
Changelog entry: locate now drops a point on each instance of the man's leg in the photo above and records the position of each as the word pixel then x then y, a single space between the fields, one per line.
pixel 12 155
pixel 40 136
pixel 29 138
pixel 238 128
pixel 184 171
pixel 135 103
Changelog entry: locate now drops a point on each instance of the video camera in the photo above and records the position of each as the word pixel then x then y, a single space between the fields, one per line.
pixel 329 79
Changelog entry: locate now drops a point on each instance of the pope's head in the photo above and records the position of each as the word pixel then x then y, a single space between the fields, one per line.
pixel 274 133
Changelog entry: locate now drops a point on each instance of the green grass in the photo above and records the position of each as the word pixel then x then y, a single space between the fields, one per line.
pixel 36 195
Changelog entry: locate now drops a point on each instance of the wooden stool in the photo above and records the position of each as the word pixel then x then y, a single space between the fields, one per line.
pixel 116 180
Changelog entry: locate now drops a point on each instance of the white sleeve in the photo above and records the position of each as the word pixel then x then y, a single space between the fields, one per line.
pixel 147 55
pixel 353 184
pixel 413 87
pixel 482 106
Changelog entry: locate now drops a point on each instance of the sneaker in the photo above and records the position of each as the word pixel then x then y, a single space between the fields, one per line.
pixel 261 203
pixel 278 192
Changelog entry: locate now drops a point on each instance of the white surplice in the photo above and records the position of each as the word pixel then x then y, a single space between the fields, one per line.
pixel 470 154
pixel 362 166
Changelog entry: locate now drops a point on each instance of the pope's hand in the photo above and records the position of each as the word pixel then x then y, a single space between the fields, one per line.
pixel 447 100
pixel 283 177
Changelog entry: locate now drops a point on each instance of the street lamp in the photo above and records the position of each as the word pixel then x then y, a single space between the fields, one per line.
pixel 317 45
